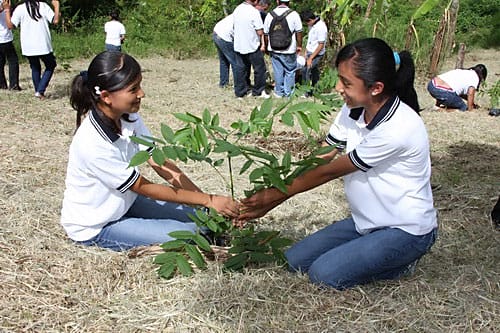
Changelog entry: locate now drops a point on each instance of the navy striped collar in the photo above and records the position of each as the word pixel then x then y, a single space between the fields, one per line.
pixel 384 114
pixel 105 131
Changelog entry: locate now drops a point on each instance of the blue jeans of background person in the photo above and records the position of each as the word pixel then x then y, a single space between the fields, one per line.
pixel 146 222
pixel 284 66
pixel 311 74
pixel 448 98
pixel 111 47
pixel 341 257
pixel 8 53
pixel 42 81
pixel 244 62
pixel 227 59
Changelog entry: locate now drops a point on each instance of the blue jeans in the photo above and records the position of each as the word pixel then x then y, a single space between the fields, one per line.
pixel 448 98
pixel 227 58
pixel 342 258
pixel 244 62
pixel 42 81
pixel 311 74
pixel 284 66
pixel 8 53
pixel 111 47
pixel 146 222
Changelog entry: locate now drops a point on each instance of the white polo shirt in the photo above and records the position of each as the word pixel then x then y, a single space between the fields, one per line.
pixel 98 178
pixel 5 33
pixel 35 35
pixel 246 21
pixel 392 186
pixel 460 80
pixel 318 33
pixel 224 28
pixel 114 30
pixel 294 24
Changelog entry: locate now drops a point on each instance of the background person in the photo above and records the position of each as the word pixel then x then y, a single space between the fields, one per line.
pixel 450 88
pixel 33 17
pixel 115 32
pixel 106 202
pixel 223 35
pixel 8 54
pixel 315 48
pixel 386 170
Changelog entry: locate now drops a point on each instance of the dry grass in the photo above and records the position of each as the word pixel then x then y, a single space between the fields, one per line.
pixel 47 284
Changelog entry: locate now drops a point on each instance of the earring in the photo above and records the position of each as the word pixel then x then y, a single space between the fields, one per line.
pixel 373 93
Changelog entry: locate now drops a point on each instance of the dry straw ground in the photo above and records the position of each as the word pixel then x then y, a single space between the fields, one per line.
pixel 48 284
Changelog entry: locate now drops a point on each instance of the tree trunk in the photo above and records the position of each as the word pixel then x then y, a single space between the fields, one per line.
pixel 438 45
pixel 369 8
pixel 450 38
pixel 460 56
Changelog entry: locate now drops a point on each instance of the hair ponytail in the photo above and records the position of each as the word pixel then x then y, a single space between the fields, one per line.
pixel 405 78
pixel 33 7
pixel 81 98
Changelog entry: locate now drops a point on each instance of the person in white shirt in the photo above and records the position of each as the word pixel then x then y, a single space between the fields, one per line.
pixel 284 61
pixel 106 202
pixel 8 53
pixel 115 32
pixel 33 17
pixel 315 48
pixel 223 39
pixel 386 170
pixel 451 88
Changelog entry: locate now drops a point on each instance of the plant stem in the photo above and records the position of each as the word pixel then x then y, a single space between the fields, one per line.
pixel 231 180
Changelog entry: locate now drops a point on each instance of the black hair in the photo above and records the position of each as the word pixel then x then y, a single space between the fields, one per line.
pixel 307 15
pixel 373 61
pixel 481 72
pixel 109 70
pixel 33 7
pixel 115 14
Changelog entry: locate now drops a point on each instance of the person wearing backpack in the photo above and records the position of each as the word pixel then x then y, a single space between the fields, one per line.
pixel 315 48
pixel 283 37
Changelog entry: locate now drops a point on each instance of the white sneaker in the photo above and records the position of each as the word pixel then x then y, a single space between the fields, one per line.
pixel 264 95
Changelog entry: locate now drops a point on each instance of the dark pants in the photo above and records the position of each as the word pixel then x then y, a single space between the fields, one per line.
pixel 42 81
pixel 311 74
pixel 8 53
pixel 244 62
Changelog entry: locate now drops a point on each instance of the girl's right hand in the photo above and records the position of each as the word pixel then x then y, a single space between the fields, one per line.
pixel 224 205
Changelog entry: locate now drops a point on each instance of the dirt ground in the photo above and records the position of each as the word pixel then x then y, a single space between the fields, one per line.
pixel 48 284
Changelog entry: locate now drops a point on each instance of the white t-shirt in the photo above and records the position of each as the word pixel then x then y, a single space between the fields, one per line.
pixel 224 28
pixel 318 33
pixel 294 24
pixel 392 186
pixel 98 178
pixel 114 30
pixel 35 35
pixel 460 80
pixel 247 20
pixel 5 33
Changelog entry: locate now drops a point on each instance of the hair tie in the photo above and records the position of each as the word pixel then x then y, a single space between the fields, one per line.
pixel 396 58
pixel 97 90
pixel 85 76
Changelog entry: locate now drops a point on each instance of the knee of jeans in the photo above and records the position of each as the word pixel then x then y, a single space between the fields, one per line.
pixel 322 278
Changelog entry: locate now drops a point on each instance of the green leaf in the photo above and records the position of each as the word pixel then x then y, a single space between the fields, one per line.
pixel 139 158
pixel 201 136
pixel 424 8
pixel 142 141
pixel 167 270
pixel 216 121
pixel 287 160
pixel 170 153
pixel 237 262
pixel 183 135
pixel 265 108
pixel 163 258
pixel 202 242
pixel 218 162
pixel 212 225
pixel 167 133
pixel 277 182
pixel 206 117
pixel 245 166
pixel 181 234
pixel 278 243
pixel 196 256
pixel 256 174
pixel 183 265
pixel 173 244
pixel 287 118
pixel 187 117
pixel 259 257
pixel 158 156
pixel 236 249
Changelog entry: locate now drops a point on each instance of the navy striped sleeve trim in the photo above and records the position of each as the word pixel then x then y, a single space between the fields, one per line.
pixel 334 142
pixel 130 181
pixel 358 163
pixel 150 150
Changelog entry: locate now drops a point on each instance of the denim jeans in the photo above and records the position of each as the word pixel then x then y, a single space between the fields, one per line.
pixel 284 66
pixel 244 62
pixel 111 47
pixel 146 222
pixel 42 81
pixel 227 59
pixel 311 74
pixel 341 257
pixel 448 98
pixel 8 53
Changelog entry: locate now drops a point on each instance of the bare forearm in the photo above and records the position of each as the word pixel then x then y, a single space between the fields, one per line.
pixel 172 174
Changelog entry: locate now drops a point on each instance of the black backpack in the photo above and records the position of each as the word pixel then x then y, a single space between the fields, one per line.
pixel 280 36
